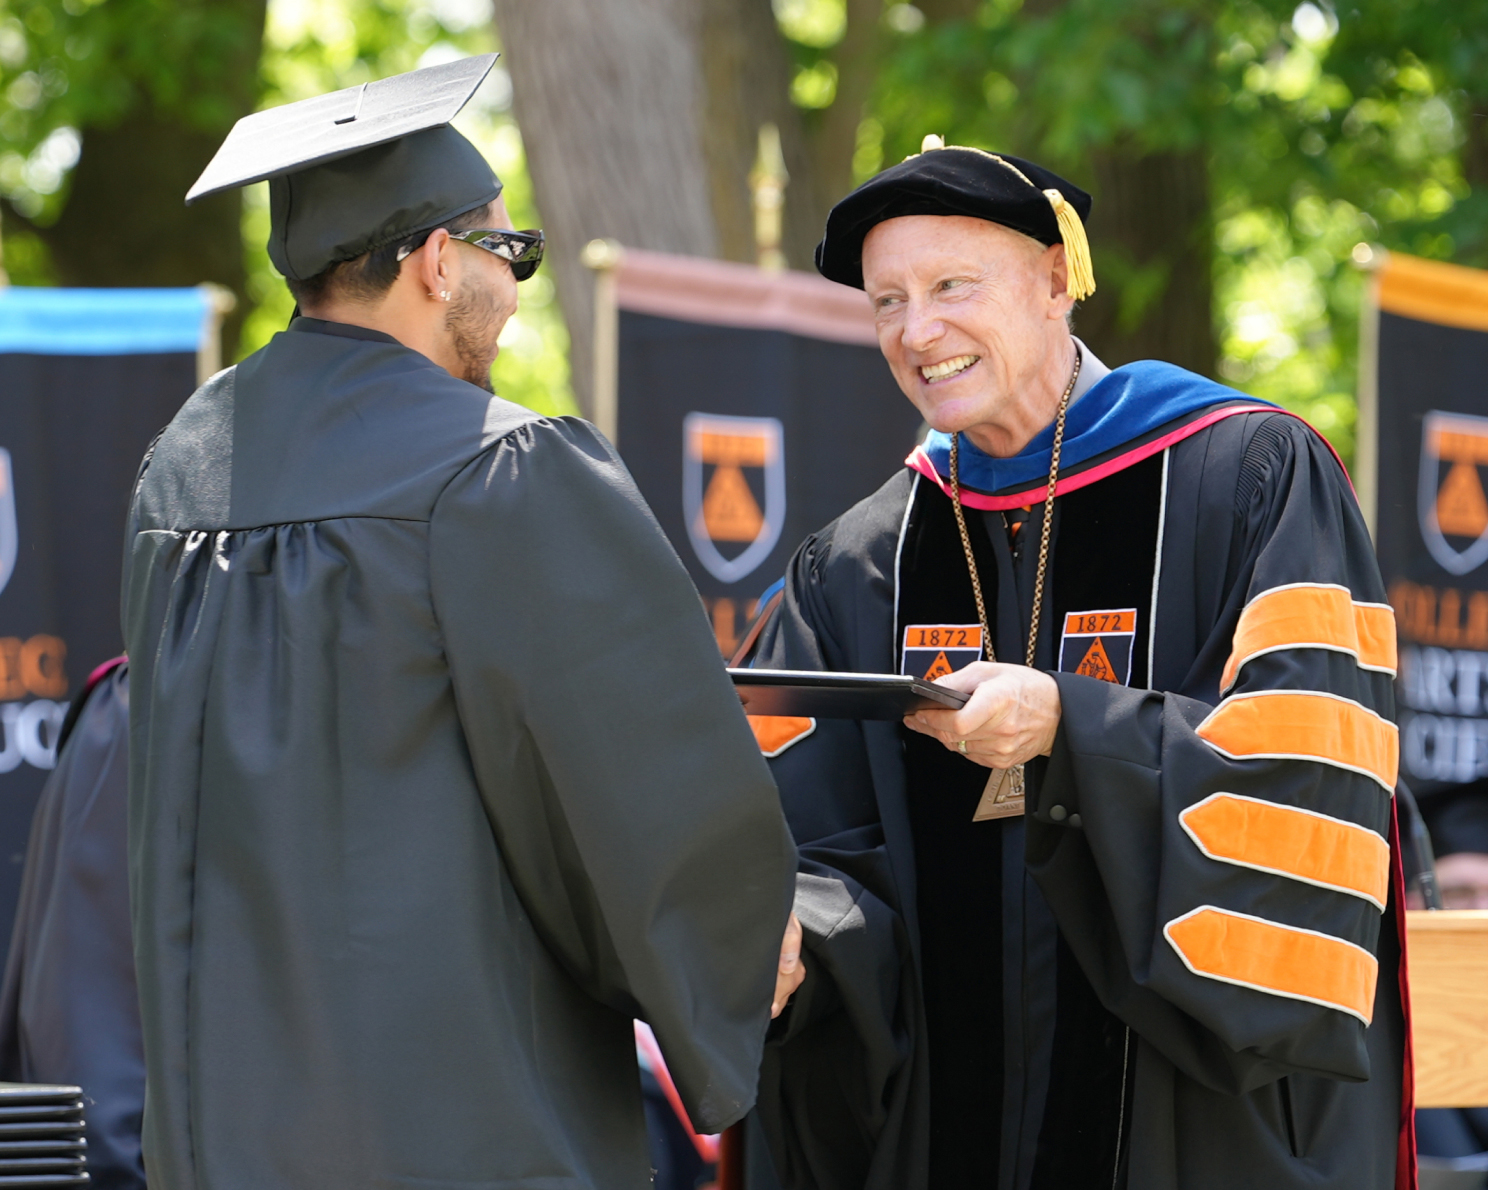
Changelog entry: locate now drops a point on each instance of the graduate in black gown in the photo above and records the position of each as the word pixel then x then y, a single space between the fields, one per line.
pixel 436 778
pixel 68 1009
pixel 1129 919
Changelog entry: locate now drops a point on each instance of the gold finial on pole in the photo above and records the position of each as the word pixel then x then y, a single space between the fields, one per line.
pixel 767 181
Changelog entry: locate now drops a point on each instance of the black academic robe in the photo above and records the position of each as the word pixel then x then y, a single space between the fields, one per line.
pixel 68 1010
pixel 436 783
pixel 1176 971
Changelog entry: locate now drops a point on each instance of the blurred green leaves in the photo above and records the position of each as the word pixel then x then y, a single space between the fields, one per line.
pixel 311 46
pixel 1323 127
pixel 1322 124
pixel 66 64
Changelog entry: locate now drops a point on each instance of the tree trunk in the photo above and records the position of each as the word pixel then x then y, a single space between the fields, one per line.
pixel 1151 237
pixel 160 241
pixel 747 73
pixel 641 120
pixel 833 141
pixel 610 101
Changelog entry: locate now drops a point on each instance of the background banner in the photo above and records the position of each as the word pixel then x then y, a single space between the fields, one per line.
pixel 1426 424
pixel 88 378
pixel 752 408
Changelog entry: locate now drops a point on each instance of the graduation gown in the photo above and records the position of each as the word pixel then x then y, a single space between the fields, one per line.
pixel 68 1009
pixel 1180 970
pixel 436 783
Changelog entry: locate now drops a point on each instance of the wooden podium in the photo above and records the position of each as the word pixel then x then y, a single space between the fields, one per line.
pixel 1448 952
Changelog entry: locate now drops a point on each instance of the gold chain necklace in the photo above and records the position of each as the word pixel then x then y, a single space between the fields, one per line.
pixel 1004 794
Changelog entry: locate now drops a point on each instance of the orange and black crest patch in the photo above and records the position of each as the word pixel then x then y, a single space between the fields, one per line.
pixel 1451 504
pixel 1099 644
pixel 932 651
pixel 733 491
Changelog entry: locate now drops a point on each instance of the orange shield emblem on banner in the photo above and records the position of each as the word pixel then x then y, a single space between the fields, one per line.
pixel 1452 505
pixel 733 490
pixel 9 534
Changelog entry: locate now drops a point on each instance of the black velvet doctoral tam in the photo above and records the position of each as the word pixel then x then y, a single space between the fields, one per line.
pixel 948 181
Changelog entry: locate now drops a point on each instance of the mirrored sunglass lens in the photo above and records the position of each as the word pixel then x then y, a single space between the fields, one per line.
pixel 522 250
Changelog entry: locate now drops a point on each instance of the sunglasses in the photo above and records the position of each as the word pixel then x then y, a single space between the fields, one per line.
pixel 523 250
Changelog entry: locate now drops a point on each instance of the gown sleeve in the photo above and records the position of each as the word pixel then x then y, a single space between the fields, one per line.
pixel 1220 864
pixel 635 815
pixel 839 1059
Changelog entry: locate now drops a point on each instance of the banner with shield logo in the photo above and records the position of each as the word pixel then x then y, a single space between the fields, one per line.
pixel 733 522
pixel 87 379
pixel 752 407
pixel 1422 473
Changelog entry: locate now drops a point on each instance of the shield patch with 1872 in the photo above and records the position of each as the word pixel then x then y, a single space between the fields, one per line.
pixel 1099 644
pixel 733 490
pixel 934 650
pixel 1450 503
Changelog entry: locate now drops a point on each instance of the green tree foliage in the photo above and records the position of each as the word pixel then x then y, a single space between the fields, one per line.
pixel 143 91
pixel 67 65
pixel 136 94
pixel 312 46
pixel 1297 132
pixel 1317 129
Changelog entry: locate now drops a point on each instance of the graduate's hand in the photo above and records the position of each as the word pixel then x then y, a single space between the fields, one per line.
pixel 792 969
pixel 1013 714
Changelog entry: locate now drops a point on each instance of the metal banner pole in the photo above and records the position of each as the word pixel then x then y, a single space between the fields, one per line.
pixel 604 257
pixel 1366 428
pixel 220 302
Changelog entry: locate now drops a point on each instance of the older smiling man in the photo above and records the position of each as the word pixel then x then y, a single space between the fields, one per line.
pixel 1177 966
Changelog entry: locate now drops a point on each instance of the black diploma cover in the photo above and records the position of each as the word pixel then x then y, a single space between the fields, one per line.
pixel 816 695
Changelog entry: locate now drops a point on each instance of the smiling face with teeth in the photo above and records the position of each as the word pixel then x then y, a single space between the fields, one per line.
pixel 973 319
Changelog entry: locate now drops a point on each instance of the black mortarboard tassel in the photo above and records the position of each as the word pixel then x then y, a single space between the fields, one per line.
pixel 951 180
pixel 357 169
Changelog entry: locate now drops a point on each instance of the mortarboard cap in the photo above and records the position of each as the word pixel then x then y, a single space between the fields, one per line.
pixel 950 180
pixel 356 169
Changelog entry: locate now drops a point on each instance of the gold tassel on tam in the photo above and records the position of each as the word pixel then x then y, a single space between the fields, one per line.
pixel 1076 247
pixel 1071 230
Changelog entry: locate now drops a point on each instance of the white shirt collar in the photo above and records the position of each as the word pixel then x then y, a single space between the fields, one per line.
pixel 1092 371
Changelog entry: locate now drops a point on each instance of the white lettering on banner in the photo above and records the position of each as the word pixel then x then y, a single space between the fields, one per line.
pixel 1447 680
pixel 29 732
pixel 1444 748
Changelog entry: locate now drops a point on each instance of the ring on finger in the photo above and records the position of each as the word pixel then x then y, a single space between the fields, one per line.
pixel 961 746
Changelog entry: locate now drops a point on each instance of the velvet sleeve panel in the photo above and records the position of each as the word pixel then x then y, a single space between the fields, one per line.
pixel 1187 808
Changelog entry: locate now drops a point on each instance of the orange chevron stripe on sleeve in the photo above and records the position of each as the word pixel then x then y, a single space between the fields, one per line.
pixel 1300 844
pixel 1279 960
pixel 1313 616
pixel 1375 623
pixel 776 733
pixel 1305 725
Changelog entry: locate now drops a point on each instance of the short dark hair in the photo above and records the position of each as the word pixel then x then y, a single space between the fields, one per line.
pixel 369 276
